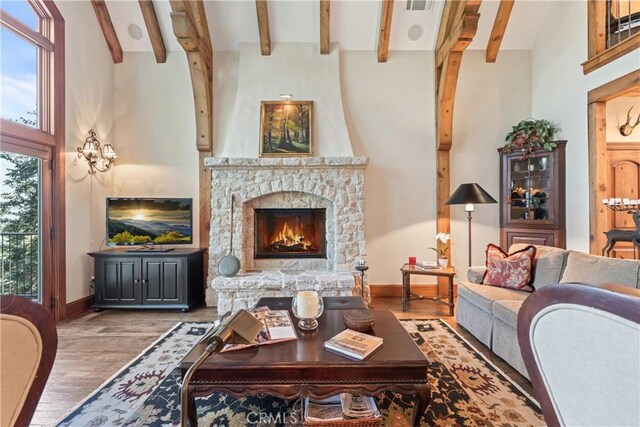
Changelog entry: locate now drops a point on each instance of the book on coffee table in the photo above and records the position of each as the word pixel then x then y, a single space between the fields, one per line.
pixel 353 344
pixel 329 409
pixel 340 407
pixel 276 327
pixel 358 406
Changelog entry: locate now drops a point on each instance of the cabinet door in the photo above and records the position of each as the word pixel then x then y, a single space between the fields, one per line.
pixel 163 280
pixel 119 281
pixel 531 193
pixel 530 237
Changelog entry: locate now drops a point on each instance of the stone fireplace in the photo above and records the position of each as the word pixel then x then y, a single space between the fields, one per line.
pixel 300 225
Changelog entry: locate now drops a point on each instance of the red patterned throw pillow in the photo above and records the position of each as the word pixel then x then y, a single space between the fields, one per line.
pixel 512 271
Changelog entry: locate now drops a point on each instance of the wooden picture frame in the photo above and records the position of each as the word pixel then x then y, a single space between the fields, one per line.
pixel 286 128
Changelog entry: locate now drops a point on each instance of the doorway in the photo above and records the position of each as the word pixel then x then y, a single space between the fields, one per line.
pixel 20 226
pixel 614 161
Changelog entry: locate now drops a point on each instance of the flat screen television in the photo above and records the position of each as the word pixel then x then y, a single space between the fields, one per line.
pixel 142 221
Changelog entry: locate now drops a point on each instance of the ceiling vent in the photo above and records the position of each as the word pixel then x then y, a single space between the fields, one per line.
pixel 420 5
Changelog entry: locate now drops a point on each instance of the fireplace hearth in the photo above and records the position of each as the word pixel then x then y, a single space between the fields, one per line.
pixel 290 233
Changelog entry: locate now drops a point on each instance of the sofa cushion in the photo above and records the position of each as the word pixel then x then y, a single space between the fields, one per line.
pixel 548 265
pixel 483 296
pixel 513 271
pixel 507 311
pixel 597 270
pixel 475 274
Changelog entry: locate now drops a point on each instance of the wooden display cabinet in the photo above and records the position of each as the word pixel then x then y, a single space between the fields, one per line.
pixel 532 198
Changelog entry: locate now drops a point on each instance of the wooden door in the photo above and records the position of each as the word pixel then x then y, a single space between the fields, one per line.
pixel 162 280
pixel 624 179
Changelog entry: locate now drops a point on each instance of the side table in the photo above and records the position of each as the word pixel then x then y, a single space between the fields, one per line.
pixel 407 270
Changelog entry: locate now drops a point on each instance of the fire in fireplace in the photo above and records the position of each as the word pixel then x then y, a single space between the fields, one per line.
pixel 290 233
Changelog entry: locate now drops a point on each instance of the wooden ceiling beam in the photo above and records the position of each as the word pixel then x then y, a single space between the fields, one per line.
pixel 460 37
pixel 498 30
pixel 458 26
pixel 263 27
pixel 104 19
pixel 386 16
pixel 325 13
pixel 190 27
pixel 153 28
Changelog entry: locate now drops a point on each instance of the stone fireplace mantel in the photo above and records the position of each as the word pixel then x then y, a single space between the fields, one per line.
pixel 335 184
pixel 222 163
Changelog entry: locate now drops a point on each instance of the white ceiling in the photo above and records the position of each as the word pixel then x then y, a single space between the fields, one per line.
pixel 354 23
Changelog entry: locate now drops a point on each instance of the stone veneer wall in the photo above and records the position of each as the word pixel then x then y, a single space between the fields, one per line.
pixel 336 183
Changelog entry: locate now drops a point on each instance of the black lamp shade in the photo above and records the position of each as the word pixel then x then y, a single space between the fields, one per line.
pixel 470 194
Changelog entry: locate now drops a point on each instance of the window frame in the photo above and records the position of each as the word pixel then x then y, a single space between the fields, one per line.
pixel 47 142
pixel 599 54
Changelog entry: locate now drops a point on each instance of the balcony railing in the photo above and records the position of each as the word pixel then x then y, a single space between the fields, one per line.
pixel 19 264
pixel 623 20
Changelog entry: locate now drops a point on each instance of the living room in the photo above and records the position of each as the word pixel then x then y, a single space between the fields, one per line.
pixel 123 105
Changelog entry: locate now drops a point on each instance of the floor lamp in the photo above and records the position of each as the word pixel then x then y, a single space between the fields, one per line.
pixel 470 195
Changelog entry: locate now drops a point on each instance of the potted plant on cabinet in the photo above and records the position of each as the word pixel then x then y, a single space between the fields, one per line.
pixel 528 136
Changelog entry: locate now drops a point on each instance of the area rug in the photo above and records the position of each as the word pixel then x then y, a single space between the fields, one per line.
pixel 467 389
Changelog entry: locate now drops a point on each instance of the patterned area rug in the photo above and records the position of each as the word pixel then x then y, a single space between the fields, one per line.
pixel 467 389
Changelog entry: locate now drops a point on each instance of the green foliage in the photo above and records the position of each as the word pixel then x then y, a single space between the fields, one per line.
pixel 529 135
pixel 19 198
pixel 126 238
pixel 171 237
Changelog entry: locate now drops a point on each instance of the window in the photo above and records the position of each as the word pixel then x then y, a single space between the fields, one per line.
pixel 613 31
pixel 19 79
pixel 31 151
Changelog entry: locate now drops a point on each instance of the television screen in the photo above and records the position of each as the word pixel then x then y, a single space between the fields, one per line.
pixel 148 221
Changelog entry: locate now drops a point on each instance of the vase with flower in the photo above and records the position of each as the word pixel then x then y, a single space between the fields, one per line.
pixel 442 244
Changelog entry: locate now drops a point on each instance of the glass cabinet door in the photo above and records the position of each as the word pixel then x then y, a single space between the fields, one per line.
pixel 530 198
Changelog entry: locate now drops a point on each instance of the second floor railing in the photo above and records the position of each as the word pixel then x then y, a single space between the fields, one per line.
pixel 20 264
pixel 623 20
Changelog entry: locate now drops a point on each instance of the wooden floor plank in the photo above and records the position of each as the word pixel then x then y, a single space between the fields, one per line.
pixel 94 347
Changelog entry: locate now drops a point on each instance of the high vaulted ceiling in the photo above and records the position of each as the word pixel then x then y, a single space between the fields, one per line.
pixel 354 23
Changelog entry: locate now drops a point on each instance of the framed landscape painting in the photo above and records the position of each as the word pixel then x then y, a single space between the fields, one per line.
pixel 286 128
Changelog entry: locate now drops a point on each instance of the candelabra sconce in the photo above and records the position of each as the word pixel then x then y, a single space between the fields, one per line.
pixel 362 267
pixel 622 205
pixel 99 158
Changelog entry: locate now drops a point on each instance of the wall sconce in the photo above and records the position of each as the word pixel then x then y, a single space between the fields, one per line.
pixel 99 158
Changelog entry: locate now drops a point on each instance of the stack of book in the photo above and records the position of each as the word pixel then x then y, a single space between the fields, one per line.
pixel 344 409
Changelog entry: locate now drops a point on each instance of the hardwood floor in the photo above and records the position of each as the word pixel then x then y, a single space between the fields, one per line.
pixel 95 346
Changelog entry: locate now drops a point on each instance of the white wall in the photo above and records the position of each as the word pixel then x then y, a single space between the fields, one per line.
pixel 490 98
pixel 295 68
pixel 155 134
pixel 389 110
pixel 89 96
pixel 559 94
pixel 617 110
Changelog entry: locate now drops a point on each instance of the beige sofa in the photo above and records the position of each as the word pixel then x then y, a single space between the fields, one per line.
pixel 491 313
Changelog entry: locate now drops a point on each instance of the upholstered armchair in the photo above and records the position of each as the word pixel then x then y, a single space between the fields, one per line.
pixel 581 348
pixel 28 343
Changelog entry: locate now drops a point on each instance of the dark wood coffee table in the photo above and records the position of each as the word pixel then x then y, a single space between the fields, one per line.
pixel 303 368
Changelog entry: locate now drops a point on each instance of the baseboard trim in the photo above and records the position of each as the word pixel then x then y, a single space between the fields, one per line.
pixel 78 307
pixel 395 290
